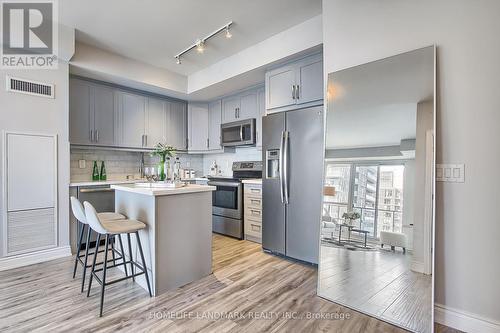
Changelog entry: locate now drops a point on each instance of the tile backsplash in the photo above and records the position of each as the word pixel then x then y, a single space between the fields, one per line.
pixel 225 160
pixel 120 164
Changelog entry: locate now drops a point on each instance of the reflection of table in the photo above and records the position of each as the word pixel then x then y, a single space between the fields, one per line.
pixel 349 228
pixel 359 231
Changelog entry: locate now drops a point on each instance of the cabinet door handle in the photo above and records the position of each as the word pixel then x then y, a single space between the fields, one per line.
pixel 293 91
pixel 96 135
pixel 236 113
pixel 208 142
pixel 91 135
pixel 145 140
pixel 297 92
pixel 142 140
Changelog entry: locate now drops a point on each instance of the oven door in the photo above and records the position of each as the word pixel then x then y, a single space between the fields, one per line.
pixel 226 199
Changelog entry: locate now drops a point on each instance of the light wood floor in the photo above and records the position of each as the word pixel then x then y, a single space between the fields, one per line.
pixel 246 281
pixel 377 282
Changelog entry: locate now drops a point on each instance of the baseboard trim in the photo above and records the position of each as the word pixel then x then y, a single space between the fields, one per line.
pixel 417 266
pixel 34 258
pixel 464 321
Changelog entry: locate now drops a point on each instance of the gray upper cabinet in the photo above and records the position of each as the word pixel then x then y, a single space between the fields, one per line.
pixel 261 98
pixel 214 122
pixel 132 120
pixel 248 105
pixel 177 125
pixel 295 85
pixel 104 116
pixel 230 107
pixel 156 121
pixel 198 127
pixel 310 80
pixel 81 118
pixel 279 85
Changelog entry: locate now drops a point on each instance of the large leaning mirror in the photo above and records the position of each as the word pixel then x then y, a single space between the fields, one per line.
pixel 378 209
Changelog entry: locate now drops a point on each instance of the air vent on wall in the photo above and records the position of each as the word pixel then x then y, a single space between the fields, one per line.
pixel 29 87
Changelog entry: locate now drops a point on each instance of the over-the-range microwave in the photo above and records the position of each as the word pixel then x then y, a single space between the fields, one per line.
pixel 238 133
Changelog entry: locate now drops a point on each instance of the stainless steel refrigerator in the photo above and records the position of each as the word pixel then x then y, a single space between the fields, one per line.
pixel 292 148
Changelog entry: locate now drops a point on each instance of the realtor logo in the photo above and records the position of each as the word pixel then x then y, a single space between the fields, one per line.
pixel 29 34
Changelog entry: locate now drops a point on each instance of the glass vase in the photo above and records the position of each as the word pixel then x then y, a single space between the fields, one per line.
pixel 161 169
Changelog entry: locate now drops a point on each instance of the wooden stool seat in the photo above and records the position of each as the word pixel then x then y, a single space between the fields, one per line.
pixel 122 226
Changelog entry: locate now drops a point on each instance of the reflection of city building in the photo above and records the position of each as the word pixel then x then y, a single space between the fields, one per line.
pixel 390 204
pixel 365 195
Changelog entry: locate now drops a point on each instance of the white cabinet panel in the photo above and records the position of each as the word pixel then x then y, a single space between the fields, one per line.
pixel 215 119
pixel 132 120
pixel 31 171
pixel 156 117
pixel 104 115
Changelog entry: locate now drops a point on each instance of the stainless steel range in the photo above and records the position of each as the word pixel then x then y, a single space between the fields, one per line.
pixel 227 199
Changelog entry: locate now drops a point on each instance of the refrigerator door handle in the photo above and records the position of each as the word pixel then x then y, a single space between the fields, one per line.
pixel 285 167
pixel 282 146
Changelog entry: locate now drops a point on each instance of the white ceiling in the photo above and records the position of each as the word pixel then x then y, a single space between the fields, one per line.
pixel 375 104
pixel 154 31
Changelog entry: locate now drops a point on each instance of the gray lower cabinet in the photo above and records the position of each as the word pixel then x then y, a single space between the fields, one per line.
pixel 198 127
pixel 177 125
pixel 132 115
pixel 214 122
pixel 295 85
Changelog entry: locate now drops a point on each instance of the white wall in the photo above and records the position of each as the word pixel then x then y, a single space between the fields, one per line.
pixel 24 113
pixel 468 125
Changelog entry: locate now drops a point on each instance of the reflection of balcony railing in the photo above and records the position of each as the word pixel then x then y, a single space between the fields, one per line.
pixel 370 220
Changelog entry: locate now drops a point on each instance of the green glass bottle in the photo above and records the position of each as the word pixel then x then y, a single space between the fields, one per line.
pixel 102 175
pixel 95 172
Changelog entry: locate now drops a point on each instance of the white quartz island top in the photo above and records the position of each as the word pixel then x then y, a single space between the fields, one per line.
pixel 154 191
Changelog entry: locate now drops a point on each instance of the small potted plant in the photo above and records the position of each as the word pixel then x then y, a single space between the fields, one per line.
pixel 351 217
pixel 163 151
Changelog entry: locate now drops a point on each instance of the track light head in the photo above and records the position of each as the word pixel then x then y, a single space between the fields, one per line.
pixel 228 33
pixel 200 46
pixel 178 60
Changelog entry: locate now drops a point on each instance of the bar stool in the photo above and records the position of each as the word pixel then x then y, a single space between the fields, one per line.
pixel 109 229
pixel 79 213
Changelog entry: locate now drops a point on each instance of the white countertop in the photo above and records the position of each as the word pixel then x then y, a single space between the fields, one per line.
pixel 257 181
pixel 190 188
pixel 123 181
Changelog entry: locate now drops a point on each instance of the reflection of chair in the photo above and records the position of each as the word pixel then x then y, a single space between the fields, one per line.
pixel 393 239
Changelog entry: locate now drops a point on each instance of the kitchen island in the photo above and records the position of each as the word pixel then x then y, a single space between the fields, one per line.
pixel 177 241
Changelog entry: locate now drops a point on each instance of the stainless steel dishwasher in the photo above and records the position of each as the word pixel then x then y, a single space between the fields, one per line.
pixel 102 197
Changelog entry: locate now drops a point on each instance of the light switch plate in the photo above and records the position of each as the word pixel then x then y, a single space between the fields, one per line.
pixel 81 164
pixel 454 173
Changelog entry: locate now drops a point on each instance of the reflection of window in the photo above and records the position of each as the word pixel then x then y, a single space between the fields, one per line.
pixel 375 191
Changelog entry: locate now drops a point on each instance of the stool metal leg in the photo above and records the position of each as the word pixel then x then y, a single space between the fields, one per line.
pixel 78 248
pixel 87 246
pixel 130 256
pixel 105 266
pixel 112 241
pixel 143 263
pixel 96 251
pixel 123 253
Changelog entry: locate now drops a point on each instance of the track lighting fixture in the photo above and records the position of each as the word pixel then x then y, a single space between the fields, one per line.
pixel 199 45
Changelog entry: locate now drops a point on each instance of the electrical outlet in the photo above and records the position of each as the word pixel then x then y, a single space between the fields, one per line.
pixel 454 173
pixel 81 164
